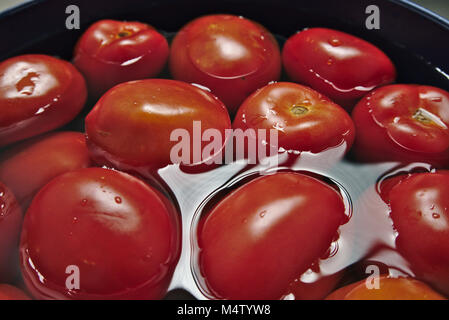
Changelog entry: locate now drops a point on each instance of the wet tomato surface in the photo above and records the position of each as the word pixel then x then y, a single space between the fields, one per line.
pixel 230 55
pixel 133 124
pixel 420 213
pixel 256 241
pixel 120 233
pixel 27 167
pixel 305 119
pixel 339 65
pixel 38 93
pixel 404 123
pixel 111 52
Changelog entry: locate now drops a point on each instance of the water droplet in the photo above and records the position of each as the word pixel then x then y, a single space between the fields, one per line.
pixel 435 215
pixel 437 99
pixel 118 199
pixel 83 202
pixel 335 42
pixel 330 61
pixel 262 214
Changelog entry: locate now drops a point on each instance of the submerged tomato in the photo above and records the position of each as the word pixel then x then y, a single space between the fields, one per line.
pixel 133 125
pixel 111 52
pixel 120 233
pixel 339 65
pixel 403 123
pixel 38 93
pixel 230 55
pixel 8 292
pixel 420 213
pixel 10 222
pixel 389 289
pixel 27 167
pixel 305 120
pixel 259 238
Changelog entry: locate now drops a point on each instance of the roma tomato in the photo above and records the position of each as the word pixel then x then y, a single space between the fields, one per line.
pixel 403 123
pixel 389 289
pixel 119 233
pixel 305 119
pixel 230 55
pixel 259 238
pixel 339 65
pixel 8 292
pixel 111 52
pixel 420 213
pixel 27 167
pixel 139 124
pixel 38 93
pixel 10 222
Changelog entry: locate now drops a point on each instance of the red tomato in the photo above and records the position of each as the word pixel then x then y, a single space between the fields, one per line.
pixel 389 289
pixel 404 123
pixel 10 222
pixel 111 52
pixel 118 231
pixel 339 65
pixel 38 93
pixel 27 167
pixel 420 214
pixel 8 292
pixel 132 124
pixel 230 55
pixel 305 120
pixel 259 238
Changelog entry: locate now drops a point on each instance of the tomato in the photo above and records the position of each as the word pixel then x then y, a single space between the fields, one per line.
pixel 403 123
pixel 111 52
pixel 120 233
pixel 389 289
pixel 305 120
pixel 260 237
pixel 27 167
pixel 38 93
pixel 8 292
pixel 10 222
pixel 230 55
pixel 420 214
pixel 339 65
pixel 133 124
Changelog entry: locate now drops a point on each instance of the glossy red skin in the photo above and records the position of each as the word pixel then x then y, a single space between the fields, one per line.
pixel 257 240
pixel 389 289
pixel 111 52
pixel 322 126
pixel 10 222
pixel 388 131
pixel 120 232
pixel 339 65
pixel 27 167
pixel 131 124
pixel 419 210
pixel 316 290
pixel 8 292
pixel 38 93
pixel 230 55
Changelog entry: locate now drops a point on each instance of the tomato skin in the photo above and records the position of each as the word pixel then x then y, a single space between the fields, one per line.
pixel 389 289
pixel 8 292
pixel 27 167
pixel 10 222
pixel 419 210
pixel 403 123
pixel 131 124
pixel 117 230
pixel 230 55
pixel 256 240
pixel 38 93
pixel 316 290
pixel 320 125
pixel 111 52
pixel 339 65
